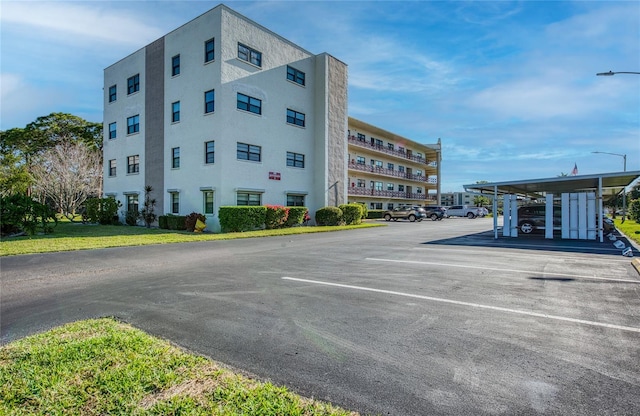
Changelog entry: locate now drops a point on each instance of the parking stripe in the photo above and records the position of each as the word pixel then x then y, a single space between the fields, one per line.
pixel 469 304
pixel 535 272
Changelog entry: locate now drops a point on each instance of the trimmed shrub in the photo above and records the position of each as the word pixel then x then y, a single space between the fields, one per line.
pixel 276 216
pixel 351 213
pixel 191 219
pixel 22 213
pixel 374 214
pixel 238 219
pixel 102 210
pixel 329 216
pixel 365 210
pixel 634 210
pixel 296 216
pixel 172 222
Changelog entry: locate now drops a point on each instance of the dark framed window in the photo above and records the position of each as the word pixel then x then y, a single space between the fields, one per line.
pixel 209 50
pixel 361 137
pixel 175 203
pixel 112 167
pixel 295 200
pixel 294 117
pixel 132 202
pixel 295 160
pixel 133 164
pixel 250 104
pixel 133 84
pixel 175 112
pixel 113 93
pixel 295 75
pixel 248 199
pixel 175 157
pixel 210 152
pixel 207 197
pixel 249 152
pixel 360 160
pixel 249 54
pixel 175 65
pixel 390 166
pixel 389 186
pixel 133 124
pixel 209 101
pixel 390 146
pixel 112 130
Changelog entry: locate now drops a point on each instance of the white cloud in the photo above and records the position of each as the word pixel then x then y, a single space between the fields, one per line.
pixel 78 22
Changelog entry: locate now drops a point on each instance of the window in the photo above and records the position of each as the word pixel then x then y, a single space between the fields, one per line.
pixel 418 190
pixel 175 65
pixel 112 167
pixel 132 202
pixel 400 149
pixel 390 206
pixel 133 164
pixel 418 172
pixel 209 101
pixel 390 166
pixel 209 50
pixel 246 198
pixel 419 155
pixel 295 200
pixel 400 168
pixel 378 164
pixel 133 124
pixel 113 93
pixel 250 55
pixel 361 137
pixel 362 183
pixel 249 152
pixel 295 75
pixel 400 188
pixel 250 104
pixel 209 152
pixel 175 203
pixel 293 117
pixel 207 197
pixel 175 158
pixel 133 84
pixel 389 187
pixel 360 160
pixel 390 146
pixel 175 112
pixel 379 143
pixel 295 159
pixel 112 130
pixel 378 186
pixel 375 205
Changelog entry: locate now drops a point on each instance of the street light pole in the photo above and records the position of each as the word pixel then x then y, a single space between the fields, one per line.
pixel 611 73
pixel 624 190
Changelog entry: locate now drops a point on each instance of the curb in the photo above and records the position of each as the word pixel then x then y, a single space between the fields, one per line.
pixel 636 264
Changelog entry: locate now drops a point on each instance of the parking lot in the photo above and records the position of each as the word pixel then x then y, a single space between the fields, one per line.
pixel 431 317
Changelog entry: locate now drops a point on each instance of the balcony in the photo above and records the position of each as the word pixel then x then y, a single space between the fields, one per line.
pixel 407 155
pixel 361 191
pixel 392 173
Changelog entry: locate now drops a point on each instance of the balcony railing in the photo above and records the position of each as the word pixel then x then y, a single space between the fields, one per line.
pixel 390 172
pixel 362 191
pixel 404 155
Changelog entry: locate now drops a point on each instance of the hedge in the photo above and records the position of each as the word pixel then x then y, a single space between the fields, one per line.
pixel 329 216
pixel 351 213
pixel 172 222
pixel 237 219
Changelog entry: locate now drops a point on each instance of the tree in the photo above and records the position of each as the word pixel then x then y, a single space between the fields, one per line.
pixel 481 201
pixel 148 213
pixel 21 147
pixel 66 175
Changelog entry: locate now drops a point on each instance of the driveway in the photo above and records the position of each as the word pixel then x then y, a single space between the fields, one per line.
pixel 410 319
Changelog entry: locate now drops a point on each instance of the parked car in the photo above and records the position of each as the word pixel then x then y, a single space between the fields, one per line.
pixel 435 213
pixel 533 217
pixel 411 213
pixel 468 211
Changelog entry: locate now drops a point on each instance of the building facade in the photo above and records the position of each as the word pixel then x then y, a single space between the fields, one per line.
pixel 387 170
pixel 222 111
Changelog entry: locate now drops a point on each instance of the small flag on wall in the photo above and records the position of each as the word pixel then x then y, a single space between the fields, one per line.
pixel 574 172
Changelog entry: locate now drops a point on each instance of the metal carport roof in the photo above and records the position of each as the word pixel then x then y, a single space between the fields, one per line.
pixel 612 183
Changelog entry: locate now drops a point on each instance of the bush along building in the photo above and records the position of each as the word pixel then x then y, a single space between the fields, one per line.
pixel 224 112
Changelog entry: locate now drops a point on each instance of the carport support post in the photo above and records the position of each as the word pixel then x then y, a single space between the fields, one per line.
pixel 495 212
pixel 600 213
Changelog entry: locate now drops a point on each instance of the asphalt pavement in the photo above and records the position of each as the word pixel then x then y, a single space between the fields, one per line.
pixel 429 318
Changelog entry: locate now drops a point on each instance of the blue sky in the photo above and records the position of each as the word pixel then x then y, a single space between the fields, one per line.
pixel 509 87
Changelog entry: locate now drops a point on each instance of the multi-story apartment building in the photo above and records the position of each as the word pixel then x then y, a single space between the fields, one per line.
pixel 222 111
pixel 387 170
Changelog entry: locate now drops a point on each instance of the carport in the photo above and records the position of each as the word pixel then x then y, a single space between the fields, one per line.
pixel 581 200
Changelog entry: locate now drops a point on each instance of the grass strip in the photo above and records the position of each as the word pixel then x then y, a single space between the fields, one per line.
pixel 629 228
pixel 104 366
pixel 69 236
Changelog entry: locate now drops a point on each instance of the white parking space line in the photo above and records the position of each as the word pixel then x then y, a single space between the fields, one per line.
pixel 469 304
pixel 497 269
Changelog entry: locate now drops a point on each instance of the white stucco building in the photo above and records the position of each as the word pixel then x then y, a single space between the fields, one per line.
pixel 222 111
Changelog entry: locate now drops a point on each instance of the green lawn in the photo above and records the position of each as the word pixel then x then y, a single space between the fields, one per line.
pixel 630 228
pixel 69 236
pixel 105 367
